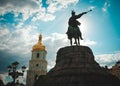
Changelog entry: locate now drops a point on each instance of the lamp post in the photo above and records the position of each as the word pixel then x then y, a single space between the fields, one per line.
pixel 12 71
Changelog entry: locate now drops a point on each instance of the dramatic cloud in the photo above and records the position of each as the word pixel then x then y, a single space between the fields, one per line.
pixel 34 8
pixel 20 41
pixel 108 59
pixel 26 7
pixel 43 16
pixel 53 43
pixel 59 4
pixel 16 45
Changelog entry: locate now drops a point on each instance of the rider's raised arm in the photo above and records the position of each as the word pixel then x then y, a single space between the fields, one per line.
pixel 81 14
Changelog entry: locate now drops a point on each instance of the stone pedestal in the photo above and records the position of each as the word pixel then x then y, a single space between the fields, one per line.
pixel 75 66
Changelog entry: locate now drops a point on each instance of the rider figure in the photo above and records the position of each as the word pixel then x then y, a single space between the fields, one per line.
pixel 73 29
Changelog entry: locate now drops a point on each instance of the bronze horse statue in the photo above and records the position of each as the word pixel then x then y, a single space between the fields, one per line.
pixel 73 29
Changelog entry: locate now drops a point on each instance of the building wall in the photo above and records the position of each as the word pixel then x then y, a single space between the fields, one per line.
pixel 115 70
pixel 37 66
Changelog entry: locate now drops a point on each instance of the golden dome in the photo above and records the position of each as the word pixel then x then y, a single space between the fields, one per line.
pixel 39 45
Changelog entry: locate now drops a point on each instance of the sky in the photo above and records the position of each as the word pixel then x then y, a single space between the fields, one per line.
pixel 21 22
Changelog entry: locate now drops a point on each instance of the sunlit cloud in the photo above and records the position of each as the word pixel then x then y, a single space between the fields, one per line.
pixel 33 8
pixel 26 7
pixel 88 43
pixel 44 17
pixel 59 4
pixel 18 41
pixel 108 59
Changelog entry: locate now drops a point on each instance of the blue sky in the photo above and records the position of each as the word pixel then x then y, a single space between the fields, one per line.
pixel 22 21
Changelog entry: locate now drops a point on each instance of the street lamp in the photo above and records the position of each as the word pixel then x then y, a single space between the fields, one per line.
pixel 13 72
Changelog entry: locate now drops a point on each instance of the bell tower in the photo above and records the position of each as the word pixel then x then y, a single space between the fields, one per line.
pixel 38 63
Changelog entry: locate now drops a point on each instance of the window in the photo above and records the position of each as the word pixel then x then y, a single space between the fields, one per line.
pixel 38 55
pixel 36 77
pixel 37 65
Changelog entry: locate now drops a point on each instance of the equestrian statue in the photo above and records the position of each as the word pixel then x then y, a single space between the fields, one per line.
pixel 73 28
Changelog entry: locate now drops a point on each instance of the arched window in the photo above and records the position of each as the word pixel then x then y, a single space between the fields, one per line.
pixel 38 55
pixel 37 65
pixel 36 77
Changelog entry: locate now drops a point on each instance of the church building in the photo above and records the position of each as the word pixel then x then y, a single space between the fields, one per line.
pixel 38 63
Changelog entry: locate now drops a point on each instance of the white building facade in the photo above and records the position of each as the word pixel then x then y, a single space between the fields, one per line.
pixel 38 63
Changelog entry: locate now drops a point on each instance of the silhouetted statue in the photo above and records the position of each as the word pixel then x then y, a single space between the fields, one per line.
pixel 73 29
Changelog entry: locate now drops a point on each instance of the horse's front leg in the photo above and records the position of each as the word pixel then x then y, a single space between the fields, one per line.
pixel 78 41
pixel 75 41
pixel 71 41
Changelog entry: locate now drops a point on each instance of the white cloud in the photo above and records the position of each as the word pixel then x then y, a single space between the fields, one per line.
pixel 33 8
pixel 59 4
pixel 27 7
pixel 4 35
pixel 44 17
pixel 19 41
pixel 67 2
pixel 108 59
pixel 105 7
pixel 88 42
pixel 4 32
pixel 53 43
